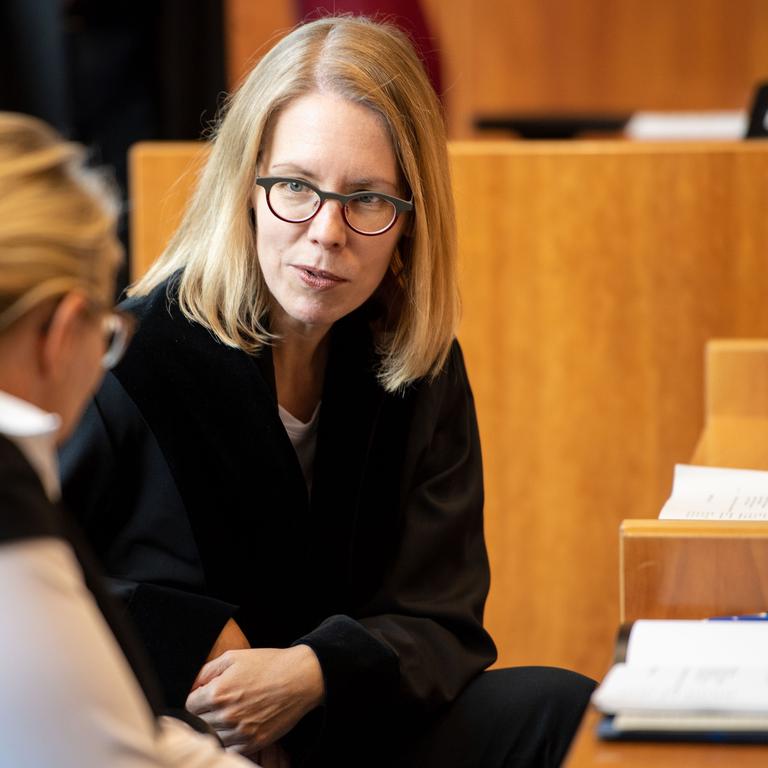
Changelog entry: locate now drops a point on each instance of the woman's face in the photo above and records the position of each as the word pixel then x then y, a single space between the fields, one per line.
pixel 321 270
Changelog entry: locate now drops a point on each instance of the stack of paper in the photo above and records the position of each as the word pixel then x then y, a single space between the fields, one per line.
pixel 715 493
pixel 689 679
pixel 687 126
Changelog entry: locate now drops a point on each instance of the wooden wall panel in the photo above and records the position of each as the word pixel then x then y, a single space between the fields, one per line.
pixel 600 55
pixel 592 275
pixel 252 27
pixel 570 55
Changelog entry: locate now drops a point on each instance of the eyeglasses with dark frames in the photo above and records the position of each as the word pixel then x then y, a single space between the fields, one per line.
pixel 297 201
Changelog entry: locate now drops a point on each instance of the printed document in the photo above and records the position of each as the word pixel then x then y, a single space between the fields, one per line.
pixel 717 493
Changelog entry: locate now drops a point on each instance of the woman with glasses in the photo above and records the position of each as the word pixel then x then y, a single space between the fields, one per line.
pixel 284 473
pixel 71 696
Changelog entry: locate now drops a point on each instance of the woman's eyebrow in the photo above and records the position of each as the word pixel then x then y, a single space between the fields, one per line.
pixel 369 182
pixel 366 182
pixel 293 168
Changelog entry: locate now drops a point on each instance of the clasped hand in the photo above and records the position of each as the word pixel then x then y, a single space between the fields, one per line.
pixel 253 697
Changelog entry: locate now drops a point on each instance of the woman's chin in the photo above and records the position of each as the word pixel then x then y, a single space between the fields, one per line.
pixel 310 317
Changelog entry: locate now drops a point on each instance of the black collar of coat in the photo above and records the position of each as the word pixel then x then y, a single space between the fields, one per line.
pixel 213 411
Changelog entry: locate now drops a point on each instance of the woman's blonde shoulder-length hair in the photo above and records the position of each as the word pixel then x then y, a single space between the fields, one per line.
pixel 222 288
pixel 57 220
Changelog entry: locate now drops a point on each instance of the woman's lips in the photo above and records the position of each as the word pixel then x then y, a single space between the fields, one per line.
pixel 318 278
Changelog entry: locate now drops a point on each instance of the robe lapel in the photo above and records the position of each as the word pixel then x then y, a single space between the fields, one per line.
pixel 215 418
pixel 352 400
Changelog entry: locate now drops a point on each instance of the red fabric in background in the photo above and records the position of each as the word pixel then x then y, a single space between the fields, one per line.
pixel 407 14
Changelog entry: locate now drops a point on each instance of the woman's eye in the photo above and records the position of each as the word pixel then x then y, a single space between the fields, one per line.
pixel 369 199
pixel 296 186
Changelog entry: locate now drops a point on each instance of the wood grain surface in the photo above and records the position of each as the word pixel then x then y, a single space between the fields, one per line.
pixel 592 276
pixel 587 752
pixel 680 569
pixel 502 56
pixel 736 404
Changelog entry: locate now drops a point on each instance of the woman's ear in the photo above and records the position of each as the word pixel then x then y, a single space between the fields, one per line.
pixel 60 335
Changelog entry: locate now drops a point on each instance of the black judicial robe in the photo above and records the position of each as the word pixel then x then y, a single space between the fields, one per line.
pixel 189 489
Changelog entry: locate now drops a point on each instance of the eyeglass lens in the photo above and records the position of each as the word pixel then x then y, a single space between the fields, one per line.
pixel 297 202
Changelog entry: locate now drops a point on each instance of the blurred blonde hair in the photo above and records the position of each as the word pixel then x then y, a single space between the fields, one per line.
pixel 57 220
pixel 222 288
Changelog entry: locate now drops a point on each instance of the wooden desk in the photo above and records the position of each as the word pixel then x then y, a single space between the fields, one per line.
pixel 689 569
pixel 587 752
pixel 692 569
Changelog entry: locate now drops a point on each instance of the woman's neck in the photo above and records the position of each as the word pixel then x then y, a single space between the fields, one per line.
pixel 299 361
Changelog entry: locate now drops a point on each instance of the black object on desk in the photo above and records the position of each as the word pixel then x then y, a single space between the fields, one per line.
pixel 758 116
pixel 554 126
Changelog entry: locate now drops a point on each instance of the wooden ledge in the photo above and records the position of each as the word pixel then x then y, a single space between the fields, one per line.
pixel 693 528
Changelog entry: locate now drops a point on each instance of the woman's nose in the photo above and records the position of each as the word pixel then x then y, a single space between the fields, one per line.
pixel 327 227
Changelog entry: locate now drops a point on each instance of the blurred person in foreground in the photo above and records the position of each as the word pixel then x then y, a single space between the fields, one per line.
pixel 283 475
pixel 75 691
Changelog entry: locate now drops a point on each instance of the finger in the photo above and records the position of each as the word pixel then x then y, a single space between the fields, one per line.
pixel 206 697
pixel 232 737
pixel 198 702
pixel 212 669
pixel 203 699
pixel 217 720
